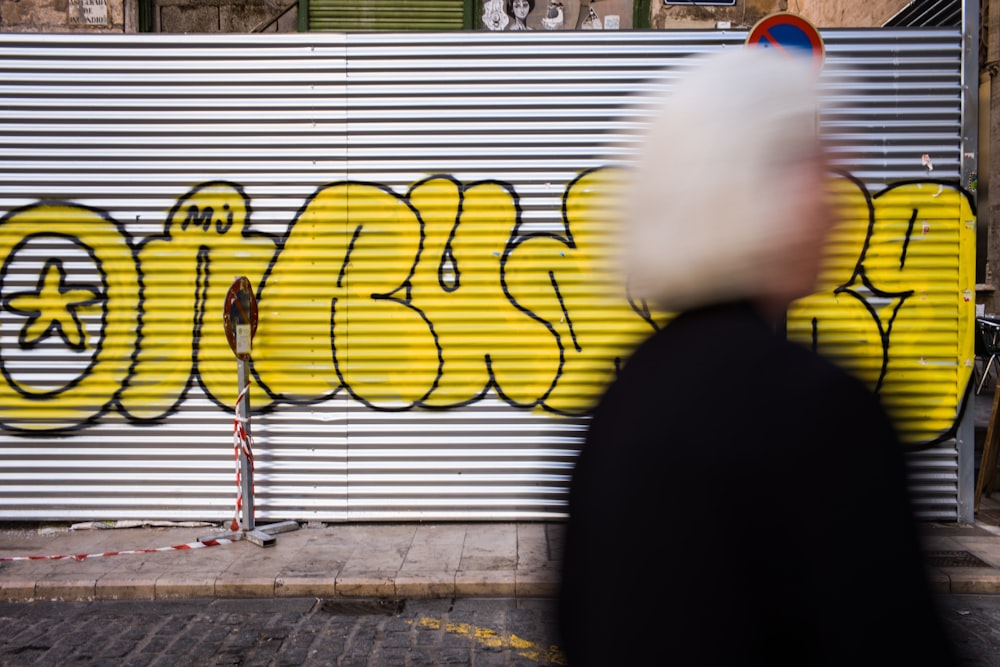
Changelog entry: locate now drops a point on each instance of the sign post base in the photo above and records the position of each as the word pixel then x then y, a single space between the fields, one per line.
pixel 262 536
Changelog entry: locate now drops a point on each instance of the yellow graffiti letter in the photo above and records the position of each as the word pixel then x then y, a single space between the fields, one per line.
pixel 572 282
pixel 485 339
pixel 59 306
pixel 186 273
pixel 335 306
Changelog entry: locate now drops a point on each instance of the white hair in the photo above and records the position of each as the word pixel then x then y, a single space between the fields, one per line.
pixel 710 203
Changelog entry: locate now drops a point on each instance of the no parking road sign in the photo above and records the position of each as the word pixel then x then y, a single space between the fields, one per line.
pixel 789 34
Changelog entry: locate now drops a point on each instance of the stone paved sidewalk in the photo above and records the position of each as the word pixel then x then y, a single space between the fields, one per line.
pixel 352 560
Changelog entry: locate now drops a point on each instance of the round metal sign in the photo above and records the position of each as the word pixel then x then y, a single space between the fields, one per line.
pixel 239 316
pixel 790 35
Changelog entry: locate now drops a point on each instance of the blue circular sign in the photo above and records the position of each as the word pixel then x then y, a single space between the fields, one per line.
pixel 789 34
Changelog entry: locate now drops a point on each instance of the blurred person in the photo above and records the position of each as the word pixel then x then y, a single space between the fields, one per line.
pixel 739 500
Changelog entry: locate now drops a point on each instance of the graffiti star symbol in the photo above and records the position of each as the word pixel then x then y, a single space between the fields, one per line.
pixel 49 305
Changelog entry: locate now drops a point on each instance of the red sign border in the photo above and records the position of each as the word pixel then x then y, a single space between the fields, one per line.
pixel 788 18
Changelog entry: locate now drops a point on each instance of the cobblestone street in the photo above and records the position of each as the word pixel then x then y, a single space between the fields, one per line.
pixel 308 632
pixel 478 632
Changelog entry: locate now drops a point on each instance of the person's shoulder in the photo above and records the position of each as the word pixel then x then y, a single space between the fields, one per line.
pixel 826 398
pixel 722 327
pixel 808 369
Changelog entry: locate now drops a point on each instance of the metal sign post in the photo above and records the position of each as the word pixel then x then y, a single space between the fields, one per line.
pixel 244 453
pixel 239 317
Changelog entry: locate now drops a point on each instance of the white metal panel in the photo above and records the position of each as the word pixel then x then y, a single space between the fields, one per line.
pixel 130 127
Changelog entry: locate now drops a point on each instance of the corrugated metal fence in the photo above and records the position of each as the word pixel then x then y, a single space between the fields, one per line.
pixel 415 211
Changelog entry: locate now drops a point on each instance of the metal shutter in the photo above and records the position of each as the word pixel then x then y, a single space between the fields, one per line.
pixel 155 150
pixel 337 15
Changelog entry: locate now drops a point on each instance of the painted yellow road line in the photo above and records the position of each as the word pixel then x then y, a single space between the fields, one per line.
pixel 491 638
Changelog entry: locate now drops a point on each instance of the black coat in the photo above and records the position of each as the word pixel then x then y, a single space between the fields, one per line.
pixel 741 501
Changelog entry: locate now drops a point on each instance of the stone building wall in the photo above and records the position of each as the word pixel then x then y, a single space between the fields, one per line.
pixel 745 13
pixel 101 16
pixel 224 16
pixel 847 13
pixel 989 166
pixel 174 16
pixel 201 16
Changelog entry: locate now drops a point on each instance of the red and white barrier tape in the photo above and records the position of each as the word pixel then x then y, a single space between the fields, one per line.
pixel 241 442
pixel 178 547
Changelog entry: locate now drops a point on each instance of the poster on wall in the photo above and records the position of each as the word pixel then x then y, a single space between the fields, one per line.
pixel 516 15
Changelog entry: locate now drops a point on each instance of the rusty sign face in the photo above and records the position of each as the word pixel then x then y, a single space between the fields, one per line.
pixel 239 316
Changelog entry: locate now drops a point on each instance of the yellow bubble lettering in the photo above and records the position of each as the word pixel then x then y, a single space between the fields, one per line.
pixel 335 307
pixel 571 281
pixel 436 298
pixel 893 295
pixel 59 307
pixel 186 273
pixel 485 339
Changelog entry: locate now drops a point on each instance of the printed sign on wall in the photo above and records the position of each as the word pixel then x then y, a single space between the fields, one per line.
pixel 88 12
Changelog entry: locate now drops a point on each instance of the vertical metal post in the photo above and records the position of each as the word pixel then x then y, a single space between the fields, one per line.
pixel 239 319
pixel 246 470
pixel 969 165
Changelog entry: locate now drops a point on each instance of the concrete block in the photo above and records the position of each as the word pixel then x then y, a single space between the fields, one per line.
pixel 366 585
pixel 978 581
pixel 484 583
pixel 536 583
pixel 244 586
pixel 305 586
pixel 425 586
pixel 125 586
pixel 180 585
pixel 75 588
pixel 17 589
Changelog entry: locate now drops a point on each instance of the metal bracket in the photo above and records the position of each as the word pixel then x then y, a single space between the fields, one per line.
pixel 262 536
